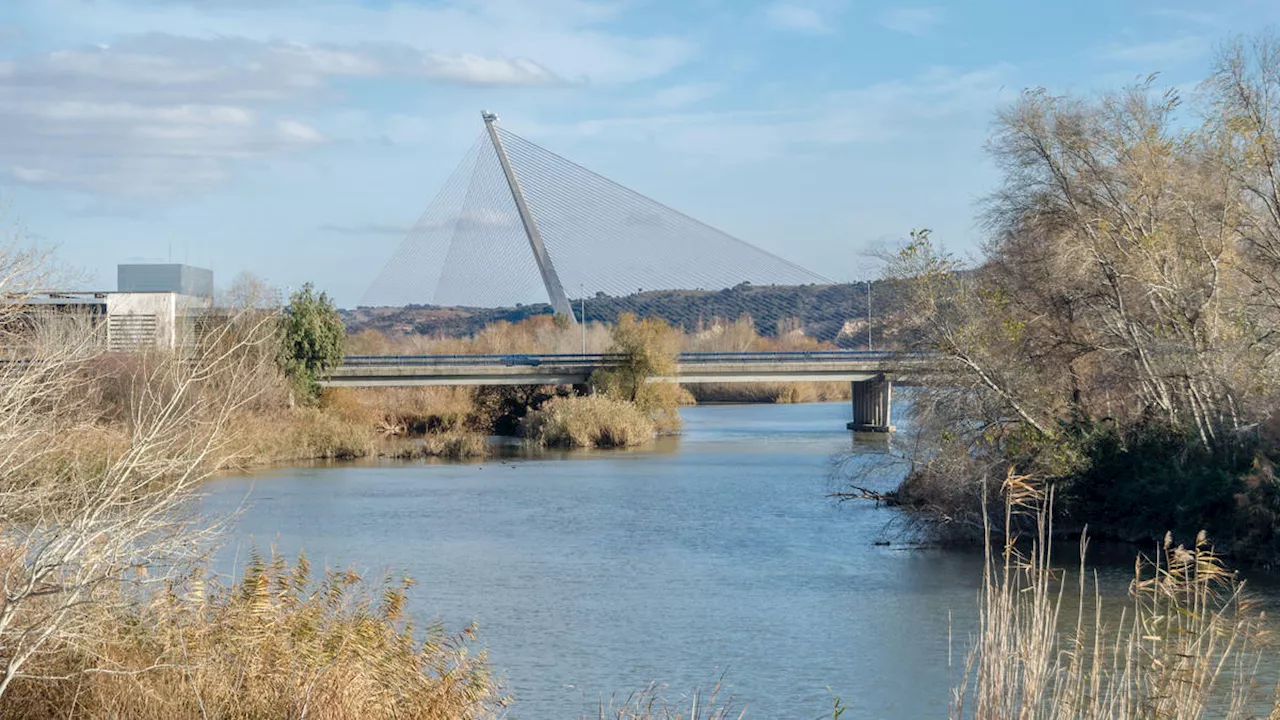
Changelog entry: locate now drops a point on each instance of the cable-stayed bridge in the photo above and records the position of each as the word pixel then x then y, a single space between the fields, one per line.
pixel 517 224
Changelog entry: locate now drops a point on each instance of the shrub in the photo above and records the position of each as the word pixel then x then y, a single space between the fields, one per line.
pixel 312 339
pixel 1150 480
pixel 591 421
pixel 455 446
pixel 301 434
pixel 648 348
pixel 277 644
pixel 501 409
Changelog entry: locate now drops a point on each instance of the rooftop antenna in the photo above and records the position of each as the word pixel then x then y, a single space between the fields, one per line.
pixel 555 291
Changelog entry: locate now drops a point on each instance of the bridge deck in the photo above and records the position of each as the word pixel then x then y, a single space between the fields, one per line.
pixel 407 370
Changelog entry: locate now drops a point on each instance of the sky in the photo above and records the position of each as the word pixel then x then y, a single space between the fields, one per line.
pixel 300 139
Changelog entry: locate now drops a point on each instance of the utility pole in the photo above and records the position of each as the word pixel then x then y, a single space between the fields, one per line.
pixel 555 291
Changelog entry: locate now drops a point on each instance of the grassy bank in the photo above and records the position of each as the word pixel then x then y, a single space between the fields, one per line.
pixel 108 608
pixel 278 643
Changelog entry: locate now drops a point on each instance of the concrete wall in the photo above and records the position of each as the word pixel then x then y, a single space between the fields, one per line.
pixel 136 321
pixel 175 278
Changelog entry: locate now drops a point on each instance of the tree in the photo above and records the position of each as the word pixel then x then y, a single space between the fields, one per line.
pixel 1128 303
pixel 250 291
pixel 646 348
pixel 312 340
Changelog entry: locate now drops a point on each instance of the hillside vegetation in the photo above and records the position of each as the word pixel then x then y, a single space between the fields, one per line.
pixel 829 313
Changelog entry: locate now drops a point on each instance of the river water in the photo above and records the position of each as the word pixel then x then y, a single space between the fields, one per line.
pixel 716 553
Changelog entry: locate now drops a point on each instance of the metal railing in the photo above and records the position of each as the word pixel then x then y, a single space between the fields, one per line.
pixel 523 359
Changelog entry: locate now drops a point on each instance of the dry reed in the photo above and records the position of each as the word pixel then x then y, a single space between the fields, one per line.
pixel 1190 644
pixel 451 446
pixel 594 421
pixel 777 393
pixel 652 704
pixel 276 644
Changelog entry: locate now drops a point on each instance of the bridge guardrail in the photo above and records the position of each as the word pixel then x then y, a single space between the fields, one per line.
pixel 605 358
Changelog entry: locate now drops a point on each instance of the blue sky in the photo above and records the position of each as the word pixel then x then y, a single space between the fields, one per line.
pixel 299 139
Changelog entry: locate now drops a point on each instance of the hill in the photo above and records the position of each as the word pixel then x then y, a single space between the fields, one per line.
pixel 831 313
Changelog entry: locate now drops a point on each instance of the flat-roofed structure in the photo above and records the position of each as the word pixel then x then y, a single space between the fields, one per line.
pixel 165 277
pixel 154 306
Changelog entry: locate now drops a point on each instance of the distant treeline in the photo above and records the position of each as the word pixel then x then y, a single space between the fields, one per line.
pixel 830 313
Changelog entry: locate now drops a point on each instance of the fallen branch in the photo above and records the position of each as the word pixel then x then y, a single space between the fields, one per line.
pixel 860 493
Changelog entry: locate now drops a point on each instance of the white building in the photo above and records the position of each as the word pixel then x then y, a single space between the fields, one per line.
pixel 154 306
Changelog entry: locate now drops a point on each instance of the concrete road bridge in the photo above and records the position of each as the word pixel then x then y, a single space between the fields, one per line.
pixel 871 373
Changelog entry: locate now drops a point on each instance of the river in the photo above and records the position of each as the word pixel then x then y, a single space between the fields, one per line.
pixel 593 574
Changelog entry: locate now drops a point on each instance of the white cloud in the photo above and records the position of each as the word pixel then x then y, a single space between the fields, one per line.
pixel 876 113
pixel 31 176
pixel 569 38
pixel 157 113
pixel 1175 50
pixel 478 70
pixel 799 18
pixel 911 20
pixel 147 96
pixel 1190 17
pixel 295 131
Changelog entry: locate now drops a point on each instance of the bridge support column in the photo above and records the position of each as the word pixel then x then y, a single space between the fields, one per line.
pixel 872 406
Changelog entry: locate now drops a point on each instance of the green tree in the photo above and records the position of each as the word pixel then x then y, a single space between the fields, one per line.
pixel 312 339
pixel 647 348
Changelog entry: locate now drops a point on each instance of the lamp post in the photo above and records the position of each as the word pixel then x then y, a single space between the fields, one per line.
pixel 582 302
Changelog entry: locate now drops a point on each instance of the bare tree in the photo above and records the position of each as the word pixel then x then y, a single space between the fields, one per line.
pixel 1131 282
pixel 86 509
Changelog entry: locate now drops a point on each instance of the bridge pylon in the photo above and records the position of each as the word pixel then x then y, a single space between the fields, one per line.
pixel 555 290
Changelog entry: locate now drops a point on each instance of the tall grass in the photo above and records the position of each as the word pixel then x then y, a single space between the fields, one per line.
pixel 538 334
pixel 1189 645
pixel 277 644
pixel 651 703
pixel 451 446
pixel 594 421
pixel 785 393
pixel 303 433
pixel 403 410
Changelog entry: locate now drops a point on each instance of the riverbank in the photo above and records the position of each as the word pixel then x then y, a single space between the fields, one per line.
pixel 452 423
pixel 346 423
pixel 591 575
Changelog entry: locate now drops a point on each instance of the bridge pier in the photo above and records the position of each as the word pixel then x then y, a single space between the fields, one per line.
pixel 872 406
